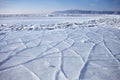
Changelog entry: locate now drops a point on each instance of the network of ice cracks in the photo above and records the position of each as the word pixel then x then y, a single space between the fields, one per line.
pixel 80 53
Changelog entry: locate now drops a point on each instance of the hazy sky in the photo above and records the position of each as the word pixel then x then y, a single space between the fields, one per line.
pixel 39 6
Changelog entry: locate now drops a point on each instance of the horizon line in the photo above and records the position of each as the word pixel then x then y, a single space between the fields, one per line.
pixel 40 13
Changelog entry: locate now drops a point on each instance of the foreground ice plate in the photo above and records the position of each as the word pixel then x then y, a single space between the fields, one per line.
pixel 86 53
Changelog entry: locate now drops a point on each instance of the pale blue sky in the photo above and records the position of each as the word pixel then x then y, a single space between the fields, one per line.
pixel 39 6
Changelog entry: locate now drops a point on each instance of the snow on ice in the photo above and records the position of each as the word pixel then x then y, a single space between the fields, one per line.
pixel 71 50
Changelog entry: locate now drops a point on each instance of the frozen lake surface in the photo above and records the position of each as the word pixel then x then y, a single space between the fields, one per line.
pixel 71 49
pixel 44 20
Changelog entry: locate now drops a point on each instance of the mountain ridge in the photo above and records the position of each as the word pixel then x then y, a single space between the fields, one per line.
pixel 75 12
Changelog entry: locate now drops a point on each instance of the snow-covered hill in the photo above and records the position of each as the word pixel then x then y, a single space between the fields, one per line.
pixel 79 12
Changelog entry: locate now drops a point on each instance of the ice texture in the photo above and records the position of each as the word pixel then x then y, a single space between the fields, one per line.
pixel 76 53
